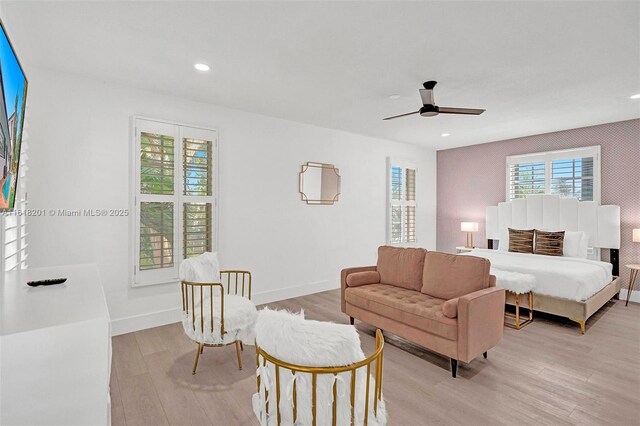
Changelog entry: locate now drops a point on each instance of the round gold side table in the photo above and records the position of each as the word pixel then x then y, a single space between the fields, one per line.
pixel 632 280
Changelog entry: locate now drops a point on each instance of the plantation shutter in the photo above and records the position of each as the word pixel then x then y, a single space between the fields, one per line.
pixel 526 179
pixel 571 173
pixel 573 177
pixel 174 198
pixel 197 166
pixel 402 203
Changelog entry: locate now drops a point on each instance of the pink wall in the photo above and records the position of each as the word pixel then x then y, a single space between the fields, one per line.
pixel 473 177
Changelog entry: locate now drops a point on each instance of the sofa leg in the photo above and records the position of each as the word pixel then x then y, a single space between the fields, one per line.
pixel 454 367
pixel 351 320
pixel 484 355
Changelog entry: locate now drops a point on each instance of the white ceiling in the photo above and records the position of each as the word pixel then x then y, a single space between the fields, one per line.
pixel 535 66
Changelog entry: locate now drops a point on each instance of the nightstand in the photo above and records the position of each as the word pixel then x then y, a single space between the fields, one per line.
pixel 463 249
pixel 632 280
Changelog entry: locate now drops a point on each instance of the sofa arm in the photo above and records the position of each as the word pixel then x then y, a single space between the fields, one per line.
pixel 480 322
pixel 343 282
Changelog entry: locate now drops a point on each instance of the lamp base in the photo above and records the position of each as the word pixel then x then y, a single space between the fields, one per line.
pixel 469 240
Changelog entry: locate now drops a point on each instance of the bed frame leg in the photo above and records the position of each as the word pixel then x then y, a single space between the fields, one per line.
pixel 616 296
pixel 583 325
pixel 351 320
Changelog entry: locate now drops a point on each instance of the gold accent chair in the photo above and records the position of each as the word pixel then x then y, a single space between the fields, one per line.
pixel 206 307
pixel 278 390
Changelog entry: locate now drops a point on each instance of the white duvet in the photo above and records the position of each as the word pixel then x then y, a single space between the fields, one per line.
pixel 565 277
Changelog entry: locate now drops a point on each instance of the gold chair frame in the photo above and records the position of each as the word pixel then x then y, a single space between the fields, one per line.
pixel 377 356
pixel 239 280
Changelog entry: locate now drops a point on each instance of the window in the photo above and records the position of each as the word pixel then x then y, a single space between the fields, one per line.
pixel 401 182
pixel 174 195
pixel 569 173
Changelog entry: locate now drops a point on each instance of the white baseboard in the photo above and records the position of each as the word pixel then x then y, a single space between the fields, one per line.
pixel 144 321
pixel 296 291
pixel 169 316
pixel 635 295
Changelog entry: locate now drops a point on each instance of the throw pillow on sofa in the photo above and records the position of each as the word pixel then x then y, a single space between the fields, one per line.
pixel 356 279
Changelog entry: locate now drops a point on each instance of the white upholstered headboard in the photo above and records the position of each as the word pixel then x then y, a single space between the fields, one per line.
pixel 601 223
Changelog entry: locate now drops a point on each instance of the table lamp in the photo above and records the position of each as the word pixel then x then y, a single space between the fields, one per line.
pixel 470 228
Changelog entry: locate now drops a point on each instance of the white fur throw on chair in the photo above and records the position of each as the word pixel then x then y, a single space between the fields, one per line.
pixel 239 312
pixel 292 339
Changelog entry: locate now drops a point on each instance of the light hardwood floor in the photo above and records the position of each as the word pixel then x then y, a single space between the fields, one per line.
pixel 546 373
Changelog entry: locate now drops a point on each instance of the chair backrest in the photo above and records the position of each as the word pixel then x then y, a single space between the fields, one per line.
pixel 199 300
pixel 277 379
pixel 199 305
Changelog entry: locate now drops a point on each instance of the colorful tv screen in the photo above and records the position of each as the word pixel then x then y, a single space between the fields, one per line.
pixel 13 84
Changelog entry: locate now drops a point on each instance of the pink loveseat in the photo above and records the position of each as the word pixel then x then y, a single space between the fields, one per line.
pixel 443 302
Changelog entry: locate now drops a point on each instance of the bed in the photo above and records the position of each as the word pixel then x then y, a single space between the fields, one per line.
pixel 570 287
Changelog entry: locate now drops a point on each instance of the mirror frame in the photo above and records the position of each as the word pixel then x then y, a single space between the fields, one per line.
pixel 304 197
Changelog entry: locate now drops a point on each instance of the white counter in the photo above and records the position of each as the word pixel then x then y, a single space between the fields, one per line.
pixel 55 348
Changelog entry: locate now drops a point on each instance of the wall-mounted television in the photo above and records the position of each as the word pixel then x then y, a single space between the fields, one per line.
pixel 13 87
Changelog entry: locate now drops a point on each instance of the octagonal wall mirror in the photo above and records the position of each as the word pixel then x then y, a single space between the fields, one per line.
pixel 319 183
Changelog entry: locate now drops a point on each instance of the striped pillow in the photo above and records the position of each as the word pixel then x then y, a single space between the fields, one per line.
pixel 521 240
pixel 549 243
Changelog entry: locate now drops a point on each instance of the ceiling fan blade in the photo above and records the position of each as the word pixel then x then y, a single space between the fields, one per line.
pixel 401 115
pixel 450 110
pixel 427 96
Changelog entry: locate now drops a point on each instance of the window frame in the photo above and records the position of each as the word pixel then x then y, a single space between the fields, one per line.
pixel 178 131
pixel 548 157
pixel 404 164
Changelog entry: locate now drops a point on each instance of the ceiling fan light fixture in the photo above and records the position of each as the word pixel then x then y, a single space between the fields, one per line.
pixel 429 111
pixel 444 135
pixel 636 96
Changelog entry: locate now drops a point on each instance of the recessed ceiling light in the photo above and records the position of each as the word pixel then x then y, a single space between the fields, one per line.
pixel 394 97
pixel 636 96
pixel 444 135
pixel 202 67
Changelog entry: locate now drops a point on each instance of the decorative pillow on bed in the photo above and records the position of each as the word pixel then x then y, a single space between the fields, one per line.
pixel 521 240
pixel 549 243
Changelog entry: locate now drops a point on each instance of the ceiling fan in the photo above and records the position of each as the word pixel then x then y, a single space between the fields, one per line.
pixel 430 109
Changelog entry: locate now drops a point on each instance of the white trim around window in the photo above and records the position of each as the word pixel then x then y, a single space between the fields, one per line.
pixel 172 196
pixel 402 202
pixel 540 167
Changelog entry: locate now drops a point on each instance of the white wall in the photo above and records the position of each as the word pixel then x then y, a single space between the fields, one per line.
pixel 79 139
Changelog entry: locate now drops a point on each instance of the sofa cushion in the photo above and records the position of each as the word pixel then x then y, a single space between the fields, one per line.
pixel 450 308
pixel 447 276
pixel 405 306
pixel 401 267
pixel 356 279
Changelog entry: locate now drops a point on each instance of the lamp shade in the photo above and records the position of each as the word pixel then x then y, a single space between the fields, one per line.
pixel 470 226
pixel 636 235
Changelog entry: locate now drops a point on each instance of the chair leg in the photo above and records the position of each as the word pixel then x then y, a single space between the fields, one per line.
pixel 351 320
pixel 198 352
pixel 454 367
pixel 202 349
pixel 484 355
pixel 241 346
pixel 238 355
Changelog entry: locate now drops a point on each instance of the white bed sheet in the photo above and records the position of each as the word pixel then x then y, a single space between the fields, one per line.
pixel 565 277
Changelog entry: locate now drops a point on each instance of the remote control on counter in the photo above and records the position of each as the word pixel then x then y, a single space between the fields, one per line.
pixel 51 281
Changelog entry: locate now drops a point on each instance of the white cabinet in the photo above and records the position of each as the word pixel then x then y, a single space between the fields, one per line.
pixel 55 348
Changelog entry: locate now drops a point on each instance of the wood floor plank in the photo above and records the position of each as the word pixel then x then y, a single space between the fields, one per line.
pixel 141 403
pixel 547 373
